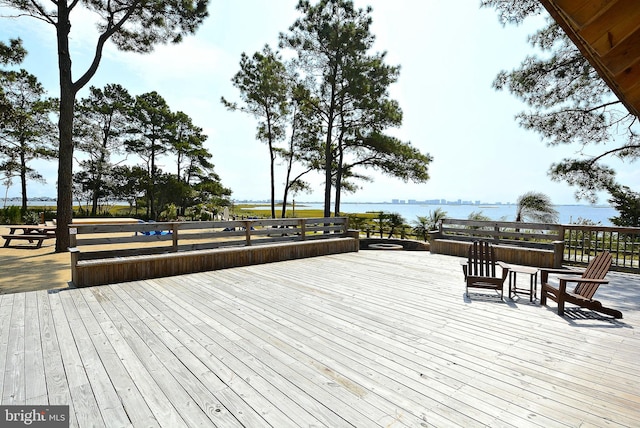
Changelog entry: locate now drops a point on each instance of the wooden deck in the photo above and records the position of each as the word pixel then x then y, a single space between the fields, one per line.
pixel 375 338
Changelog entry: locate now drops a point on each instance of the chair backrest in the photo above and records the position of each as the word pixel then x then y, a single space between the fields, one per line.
pixel 481 260
pixel 596 269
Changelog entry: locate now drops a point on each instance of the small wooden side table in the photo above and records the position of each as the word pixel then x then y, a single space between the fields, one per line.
pixel 533 281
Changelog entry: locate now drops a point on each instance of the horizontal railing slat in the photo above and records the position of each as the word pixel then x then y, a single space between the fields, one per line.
pixel 580 242
pixel 502 224
pixel 178 236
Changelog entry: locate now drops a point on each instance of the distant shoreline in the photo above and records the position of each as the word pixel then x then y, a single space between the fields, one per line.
pixel 47 201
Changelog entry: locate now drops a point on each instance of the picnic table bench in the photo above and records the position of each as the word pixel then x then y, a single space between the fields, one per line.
pixel 30 232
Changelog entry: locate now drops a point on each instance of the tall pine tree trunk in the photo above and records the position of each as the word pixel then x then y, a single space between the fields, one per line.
pixel 23 178
pixel 272 171
pixel 328 158
pixel 336 209
pixel 339 163
pixel 65 126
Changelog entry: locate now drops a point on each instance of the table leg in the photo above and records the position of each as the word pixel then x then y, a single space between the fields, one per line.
pixel 531 294
pixel 513 289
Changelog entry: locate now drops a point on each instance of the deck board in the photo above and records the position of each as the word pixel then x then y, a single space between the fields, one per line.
pixel 14 391
pixel 376 338
pixel 35 384
pixel 126 389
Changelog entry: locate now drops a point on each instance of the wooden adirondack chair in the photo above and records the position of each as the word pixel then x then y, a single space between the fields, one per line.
pixel 586 287
pixel 480 268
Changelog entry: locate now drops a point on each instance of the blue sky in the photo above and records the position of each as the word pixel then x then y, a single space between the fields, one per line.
pixel 449 53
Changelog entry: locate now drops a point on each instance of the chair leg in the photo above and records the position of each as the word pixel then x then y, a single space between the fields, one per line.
pixel 560 307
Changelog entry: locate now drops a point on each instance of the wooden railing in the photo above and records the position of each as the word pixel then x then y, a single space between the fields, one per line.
pixel 529 244
pixel 582 243
pixel 573 244
pixel 111 253
pixel 157 238
pixel 532 235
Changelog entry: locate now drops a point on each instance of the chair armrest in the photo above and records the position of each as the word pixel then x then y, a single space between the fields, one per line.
pixel 565 279
pixel 580 279
pixel 544 273
pixel 561 271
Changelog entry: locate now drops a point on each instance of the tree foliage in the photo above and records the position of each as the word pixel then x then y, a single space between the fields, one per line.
pixel 26 130
pixel 569 104
pixel 347 94
pixel 132 25
pixel 150 137
pixel 264 89
pixel 10 54
pixel 332 98
pixel 187 143
pixel 100 131
pixel 535 207
pixel 304 139
pixel 111 122
pixel 627 203
pixel 425 224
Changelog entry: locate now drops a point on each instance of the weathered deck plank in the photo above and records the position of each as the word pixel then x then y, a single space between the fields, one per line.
pixel 362 339
pixel 58 391
pixel 136 364
pixel 35 384
pixel 138 410
pixel 14 391
pixel 262 376
pixel 5 325
pixel 190 348
pixel 86 408
pixel 107 400
pixel 400 365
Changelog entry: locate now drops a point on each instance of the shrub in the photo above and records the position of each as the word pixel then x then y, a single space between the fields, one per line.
pixel 31 217
pixel 10 215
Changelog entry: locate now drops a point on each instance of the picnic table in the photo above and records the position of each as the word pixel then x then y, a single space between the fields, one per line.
pixel 30 232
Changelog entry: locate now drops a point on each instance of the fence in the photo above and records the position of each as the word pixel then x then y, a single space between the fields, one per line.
pixel 530 244
pixel 582 243
pixel 111 253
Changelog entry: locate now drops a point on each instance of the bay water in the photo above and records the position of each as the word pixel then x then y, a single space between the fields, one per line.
pixel 599 214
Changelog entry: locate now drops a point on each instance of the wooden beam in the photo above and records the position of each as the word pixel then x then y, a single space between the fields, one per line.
pixel 611 56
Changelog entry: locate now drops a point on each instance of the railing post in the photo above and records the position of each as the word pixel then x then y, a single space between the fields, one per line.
pixel 247 232
pixel 561 238
pixel 73 242
pixel 302 224
pixel 174 235
pixel 73 237
pixel 558 254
